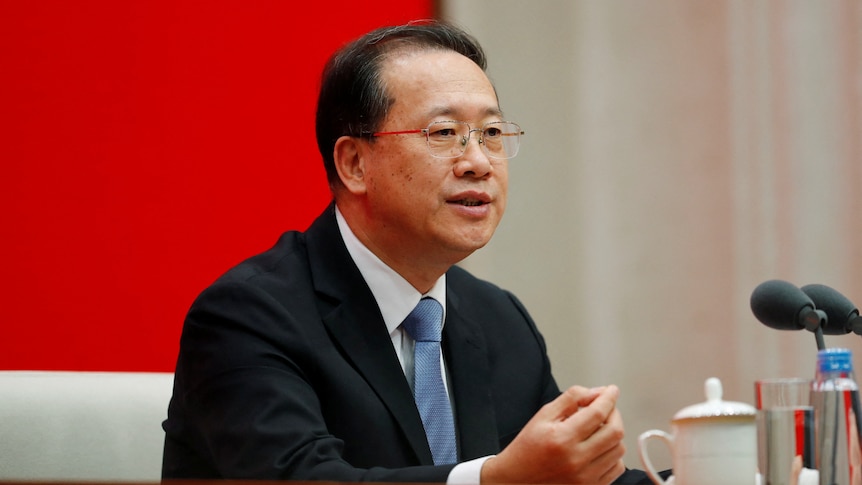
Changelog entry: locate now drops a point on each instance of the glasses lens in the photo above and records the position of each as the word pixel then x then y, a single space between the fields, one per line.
pixel 447 138
pixel 501 139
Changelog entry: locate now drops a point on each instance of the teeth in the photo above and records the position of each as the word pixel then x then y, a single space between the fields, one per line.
pixel 467 202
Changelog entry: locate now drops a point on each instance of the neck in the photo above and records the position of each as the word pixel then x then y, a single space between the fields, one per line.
pixel 420 269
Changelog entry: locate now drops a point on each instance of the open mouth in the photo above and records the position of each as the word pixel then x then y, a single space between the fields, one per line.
pixel 468 202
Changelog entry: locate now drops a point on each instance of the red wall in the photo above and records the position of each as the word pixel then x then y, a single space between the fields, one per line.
pixel 146 146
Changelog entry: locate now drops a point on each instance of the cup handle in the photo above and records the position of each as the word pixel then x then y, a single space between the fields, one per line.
pixel 642 442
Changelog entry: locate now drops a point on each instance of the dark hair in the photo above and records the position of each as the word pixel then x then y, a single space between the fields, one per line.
pixel 353 98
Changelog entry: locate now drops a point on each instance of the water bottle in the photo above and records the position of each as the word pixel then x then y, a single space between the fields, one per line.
pixel 834 394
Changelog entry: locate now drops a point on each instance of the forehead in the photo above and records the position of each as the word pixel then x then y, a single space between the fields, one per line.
pixel 430 83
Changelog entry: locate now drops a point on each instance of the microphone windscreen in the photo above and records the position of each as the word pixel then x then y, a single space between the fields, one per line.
pixel 777 303
pixel 839 310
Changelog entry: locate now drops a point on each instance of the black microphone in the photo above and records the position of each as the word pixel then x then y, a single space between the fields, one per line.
pixel 783 306
pixel 842 315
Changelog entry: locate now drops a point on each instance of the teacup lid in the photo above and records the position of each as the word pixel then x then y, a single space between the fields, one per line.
pixel 714 407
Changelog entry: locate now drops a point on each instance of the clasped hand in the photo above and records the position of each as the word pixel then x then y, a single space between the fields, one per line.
pixel 576 438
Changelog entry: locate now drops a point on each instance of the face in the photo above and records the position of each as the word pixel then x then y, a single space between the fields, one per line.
pixel 437 210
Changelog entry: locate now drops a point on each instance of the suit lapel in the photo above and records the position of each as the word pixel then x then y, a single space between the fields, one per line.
pixel 469 375
pixel 363 338
pixel 352 317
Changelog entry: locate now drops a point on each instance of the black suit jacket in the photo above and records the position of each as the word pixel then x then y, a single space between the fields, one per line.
pixel 286 371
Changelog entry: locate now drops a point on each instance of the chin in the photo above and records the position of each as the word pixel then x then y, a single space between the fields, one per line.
pixel 469 245
pixel 464 239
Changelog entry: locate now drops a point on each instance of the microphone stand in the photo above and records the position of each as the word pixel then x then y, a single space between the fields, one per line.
pixel 818 337
pixel 814 320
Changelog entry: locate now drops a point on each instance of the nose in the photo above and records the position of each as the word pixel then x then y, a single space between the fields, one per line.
pixel 474 162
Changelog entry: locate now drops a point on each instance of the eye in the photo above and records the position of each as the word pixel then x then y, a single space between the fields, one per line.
pixel 492 132
pixel 443 130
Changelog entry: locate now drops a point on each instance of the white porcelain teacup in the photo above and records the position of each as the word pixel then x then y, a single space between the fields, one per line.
pixel 711 443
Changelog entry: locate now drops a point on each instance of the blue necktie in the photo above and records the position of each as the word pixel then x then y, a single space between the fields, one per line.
pixel 425 325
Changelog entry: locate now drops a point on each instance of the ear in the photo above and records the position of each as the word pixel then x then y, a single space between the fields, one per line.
pixel 349 153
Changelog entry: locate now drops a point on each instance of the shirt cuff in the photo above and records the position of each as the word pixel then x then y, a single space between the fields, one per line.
pixel 467 473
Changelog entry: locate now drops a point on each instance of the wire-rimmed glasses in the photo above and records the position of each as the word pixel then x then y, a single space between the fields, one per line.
pixel 449 139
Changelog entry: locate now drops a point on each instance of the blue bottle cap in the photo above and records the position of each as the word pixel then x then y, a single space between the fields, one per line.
pixel 835 360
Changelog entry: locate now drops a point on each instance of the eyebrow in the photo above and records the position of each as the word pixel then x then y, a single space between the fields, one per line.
pixel 448 110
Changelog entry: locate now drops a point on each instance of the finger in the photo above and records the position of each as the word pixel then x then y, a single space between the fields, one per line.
pixel 613 472
pixel 592 417
pixel 607 458
pixel 608 435
pixel 568 403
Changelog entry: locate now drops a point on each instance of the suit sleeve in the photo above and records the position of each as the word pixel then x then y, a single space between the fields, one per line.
pixel 550 390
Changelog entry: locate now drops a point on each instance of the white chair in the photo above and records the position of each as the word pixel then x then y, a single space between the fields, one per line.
pixel 80 426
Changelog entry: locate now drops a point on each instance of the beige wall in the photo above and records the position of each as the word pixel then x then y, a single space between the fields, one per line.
pixel 678 153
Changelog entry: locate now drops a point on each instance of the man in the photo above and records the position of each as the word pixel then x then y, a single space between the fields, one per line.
pixel 296 365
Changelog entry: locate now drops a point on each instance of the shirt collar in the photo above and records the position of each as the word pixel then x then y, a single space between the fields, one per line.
pixel 395 297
